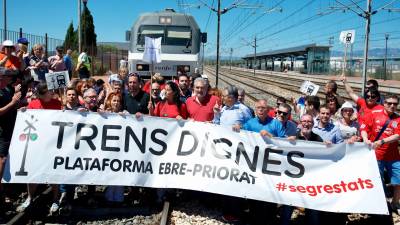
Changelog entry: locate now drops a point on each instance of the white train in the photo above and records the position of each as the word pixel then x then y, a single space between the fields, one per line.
pixel 181 38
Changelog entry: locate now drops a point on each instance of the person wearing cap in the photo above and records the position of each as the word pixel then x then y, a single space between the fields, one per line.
pixel 7 59
pixel 347 122
pixel 23 41
pixel 57 61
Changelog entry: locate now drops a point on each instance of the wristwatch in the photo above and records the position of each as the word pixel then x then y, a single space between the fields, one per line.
pixel 382 142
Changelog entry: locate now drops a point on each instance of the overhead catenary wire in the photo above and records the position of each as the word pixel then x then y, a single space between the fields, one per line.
pixel 251 22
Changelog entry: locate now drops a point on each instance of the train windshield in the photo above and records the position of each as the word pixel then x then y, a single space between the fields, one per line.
pixel 150 31
pixel 179 36
pixel 171 35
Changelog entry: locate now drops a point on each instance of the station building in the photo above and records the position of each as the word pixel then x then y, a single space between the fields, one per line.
pixel 309 59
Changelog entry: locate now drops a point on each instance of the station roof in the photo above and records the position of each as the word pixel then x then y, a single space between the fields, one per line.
pixel 285 52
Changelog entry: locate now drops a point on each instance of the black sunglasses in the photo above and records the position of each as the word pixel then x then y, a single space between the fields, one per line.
pixel 371 96
pixel 283 113
pixel 392 103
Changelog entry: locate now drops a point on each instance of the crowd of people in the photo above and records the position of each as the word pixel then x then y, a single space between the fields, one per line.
pixel 372 119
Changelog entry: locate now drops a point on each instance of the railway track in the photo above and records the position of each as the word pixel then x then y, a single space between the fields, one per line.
pixel 286 83
pixel 37 213
pixel 260 88
pixel 385 88
pixel 253 97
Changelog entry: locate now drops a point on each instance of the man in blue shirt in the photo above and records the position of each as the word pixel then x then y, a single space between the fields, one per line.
pixel 282 114
pixel 68 62
pixel 234 113
pixel 264 124
pixel 325 129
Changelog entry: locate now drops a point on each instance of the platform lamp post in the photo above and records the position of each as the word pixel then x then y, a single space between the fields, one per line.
pixel 385 61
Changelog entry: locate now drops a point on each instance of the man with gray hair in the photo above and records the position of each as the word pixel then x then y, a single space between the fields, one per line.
pixel 200 105
pixel 90 101
pixel 233 113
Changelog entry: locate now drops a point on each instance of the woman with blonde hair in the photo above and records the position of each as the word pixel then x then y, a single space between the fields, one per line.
pixel 113 103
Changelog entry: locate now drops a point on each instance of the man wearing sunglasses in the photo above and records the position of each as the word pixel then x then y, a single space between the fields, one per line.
pixel 381 131
pixel 282 114
pixel 366 105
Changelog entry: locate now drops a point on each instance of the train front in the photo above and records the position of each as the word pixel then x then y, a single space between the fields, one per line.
pixel 180 46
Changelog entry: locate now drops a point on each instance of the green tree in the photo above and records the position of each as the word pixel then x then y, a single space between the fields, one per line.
pixel 89 37
pixel 71 41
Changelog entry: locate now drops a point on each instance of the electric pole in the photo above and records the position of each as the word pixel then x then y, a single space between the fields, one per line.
pixel 230 66
pixel 218 30
pixel 254 45
pixel 367 16
pixel 385 61
pixel 255 54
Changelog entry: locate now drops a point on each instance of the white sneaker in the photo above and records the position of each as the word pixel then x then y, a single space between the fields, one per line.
pixel 24 205
pixel 53 208
pixel 63 198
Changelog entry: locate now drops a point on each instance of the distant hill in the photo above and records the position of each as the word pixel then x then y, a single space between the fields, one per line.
pixel 375 52
pixel 119 45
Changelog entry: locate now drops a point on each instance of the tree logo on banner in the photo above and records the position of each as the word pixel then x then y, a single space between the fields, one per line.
pixel 27 135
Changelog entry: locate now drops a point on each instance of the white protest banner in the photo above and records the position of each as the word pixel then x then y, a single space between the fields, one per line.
pixel 152 50
pixel 309 88
pixel 347 36
pixel 57 80
pixel 51 146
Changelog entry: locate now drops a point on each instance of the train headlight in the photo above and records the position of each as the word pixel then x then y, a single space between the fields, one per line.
pixel 142 67
pixel 183 68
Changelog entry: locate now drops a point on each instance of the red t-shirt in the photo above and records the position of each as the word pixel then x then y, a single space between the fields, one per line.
pixel 202 111
pixel 13 62
pixel 373 125
pixel 38 104
pixel 364 111
pixel 164 109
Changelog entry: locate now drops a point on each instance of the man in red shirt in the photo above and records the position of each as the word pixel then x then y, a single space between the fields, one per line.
pixel 381 131
pixel 200 105
pixel 367 105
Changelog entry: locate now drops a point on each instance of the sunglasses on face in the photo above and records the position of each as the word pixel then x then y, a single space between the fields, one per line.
pixel 282 113
pixel 391 103
pixel 348 110
pixel 371 96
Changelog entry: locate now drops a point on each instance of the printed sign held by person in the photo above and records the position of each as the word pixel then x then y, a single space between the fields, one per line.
pixel 309 88
pixel 57 80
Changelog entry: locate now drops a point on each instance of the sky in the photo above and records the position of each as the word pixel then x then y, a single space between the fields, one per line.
pixel 276 24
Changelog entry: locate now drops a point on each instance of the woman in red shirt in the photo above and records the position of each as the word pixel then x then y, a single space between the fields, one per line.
pixel 171 106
